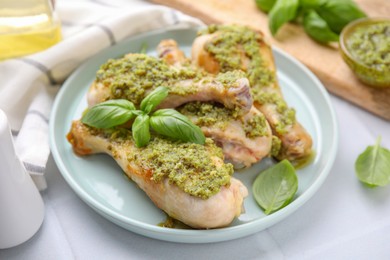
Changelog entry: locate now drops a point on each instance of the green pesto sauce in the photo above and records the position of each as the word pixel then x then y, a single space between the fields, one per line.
pixel 230 78
pixel 276 145
pixel 370 44
pixel 213 114
pixel 189 166
pixel 130 77
pixel 256 126
pixel 228 46
pixel 287 114
pixel 171 222
pixel 207 114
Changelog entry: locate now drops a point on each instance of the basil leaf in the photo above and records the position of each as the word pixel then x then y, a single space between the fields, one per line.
pixel 317 28
pixel 137 112
pixel 282 12
pixel 275 187
pixel 338 13
pixel 170 123
pixel 265 5
pixel 373 165
pixel 109 113
pixel 140 130
pixel 151 101
pixel 309 4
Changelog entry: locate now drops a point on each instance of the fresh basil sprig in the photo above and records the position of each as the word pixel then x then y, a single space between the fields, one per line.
pixel 265 5
pixel 317 28
pixel 109 114
pixel 310 4
pixel 140 130
pixel 166 122
pixel 338 13
pixel 373 165
pixel 151 101
pixel 322 19
pixel 171 123
pixel 282 12
pixel 275 187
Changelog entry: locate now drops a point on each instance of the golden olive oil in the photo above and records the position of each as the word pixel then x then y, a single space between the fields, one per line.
pixel 27 26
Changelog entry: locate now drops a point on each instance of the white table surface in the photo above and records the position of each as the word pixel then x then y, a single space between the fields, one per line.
pixel 344 220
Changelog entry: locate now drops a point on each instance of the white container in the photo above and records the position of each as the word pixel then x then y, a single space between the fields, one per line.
pixel 21 205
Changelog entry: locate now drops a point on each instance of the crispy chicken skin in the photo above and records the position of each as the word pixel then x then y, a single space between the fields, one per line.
pixel 219 210
pixel 296 143
pixel 186 85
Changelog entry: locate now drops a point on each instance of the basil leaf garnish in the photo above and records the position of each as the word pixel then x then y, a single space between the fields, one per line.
pixel 167 122
pixel 109 113
pixel 309 4
pixel 265 5
pixel 140 130
pixel 137 112
pixel 170 123
pixel 275 187
pixel 323 20
pixel 338 13
pixel 151 101
pixel 282 12
pixel 317 28
pixel 373 165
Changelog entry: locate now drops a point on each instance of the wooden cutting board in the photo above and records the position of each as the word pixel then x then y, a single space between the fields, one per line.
pixel 324 61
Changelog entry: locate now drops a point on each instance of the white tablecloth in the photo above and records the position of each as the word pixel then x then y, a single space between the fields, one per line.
pixel 344 220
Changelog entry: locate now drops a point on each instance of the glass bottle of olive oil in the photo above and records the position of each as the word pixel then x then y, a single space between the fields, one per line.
pixel 27 26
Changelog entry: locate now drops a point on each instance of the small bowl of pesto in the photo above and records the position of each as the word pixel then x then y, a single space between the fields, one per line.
pixel 365 47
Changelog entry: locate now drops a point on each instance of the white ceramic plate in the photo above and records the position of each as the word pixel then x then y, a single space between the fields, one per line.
pixel 102 185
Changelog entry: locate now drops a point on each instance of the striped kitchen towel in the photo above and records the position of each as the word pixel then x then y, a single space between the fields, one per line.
pixel 28 85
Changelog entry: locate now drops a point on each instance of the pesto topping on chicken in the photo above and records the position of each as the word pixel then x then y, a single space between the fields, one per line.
pixel 131 76
pixel 191 167
pixel 207 114
pixel 276 145
pixel 230 78
pixel 285 113
pixel 256 126
pixel 233 45
pixel 213 114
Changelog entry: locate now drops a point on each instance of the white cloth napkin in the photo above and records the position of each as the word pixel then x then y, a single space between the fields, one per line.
pixel 28 85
